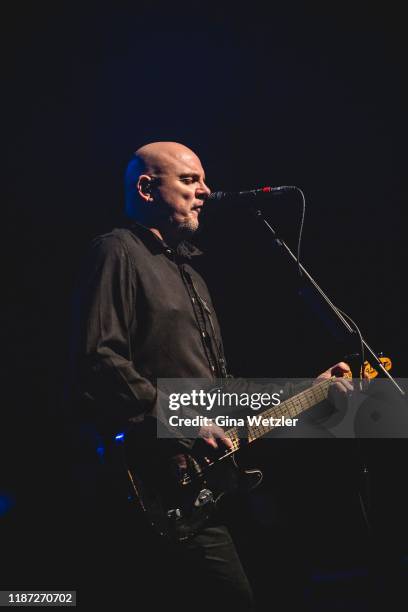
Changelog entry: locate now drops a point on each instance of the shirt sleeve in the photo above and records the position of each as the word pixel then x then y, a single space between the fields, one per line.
pixel 113 393
pixel 104 318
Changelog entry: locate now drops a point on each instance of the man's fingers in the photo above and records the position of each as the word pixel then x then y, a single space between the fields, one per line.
pixel 220 434
pixel 344 385
pixel 212 433
pixel 226 441
pixel 211 441
pixel 207 435
pixel 340 368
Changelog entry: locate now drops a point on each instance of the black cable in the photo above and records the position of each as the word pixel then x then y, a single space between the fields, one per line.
pixel 302 220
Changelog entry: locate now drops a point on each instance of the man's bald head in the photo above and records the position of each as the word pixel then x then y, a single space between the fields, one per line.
pixel 155 159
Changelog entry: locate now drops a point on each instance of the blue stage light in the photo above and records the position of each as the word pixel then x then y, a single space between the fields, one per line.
pixel 7 501
pixel 100 451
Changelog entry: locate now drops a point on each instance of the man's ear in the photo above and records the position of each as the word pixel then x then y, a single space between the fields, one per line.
pixel 144 186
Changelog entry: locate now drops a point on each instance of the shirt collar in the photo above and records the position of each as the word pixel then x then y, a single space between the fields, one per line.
pixel 184 249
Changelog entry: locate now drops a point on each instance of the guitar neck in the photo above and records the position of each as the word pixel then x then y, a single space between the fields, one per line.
pixel 290 408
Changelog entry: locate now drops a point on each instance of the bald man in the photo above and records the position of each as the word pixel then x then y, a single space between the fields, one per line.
pixel 145 313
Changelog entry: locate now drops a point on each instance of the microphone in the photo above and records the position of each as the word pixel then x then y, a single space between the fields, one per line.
pixel 251 193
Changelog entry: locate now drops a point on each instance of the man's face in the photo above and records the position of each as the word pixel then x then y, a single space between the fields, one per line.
pixel 180 192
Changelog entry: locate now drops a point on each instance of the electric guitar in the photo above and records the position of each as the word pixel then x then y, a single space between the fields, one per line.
pixel 178 502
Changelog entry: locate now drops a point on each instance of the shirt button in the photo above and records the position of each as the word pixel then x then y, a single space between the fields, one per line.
pixel 204 335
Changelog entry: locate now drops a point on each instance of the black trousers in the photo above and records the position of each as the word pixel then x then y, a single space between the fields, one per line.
pixel 209 572
pixel 122 562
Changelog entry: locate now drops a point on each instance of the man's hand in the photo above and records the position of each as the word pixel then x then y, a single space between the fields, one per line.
pixel 208 436
pixel 211 433
pixel 342 373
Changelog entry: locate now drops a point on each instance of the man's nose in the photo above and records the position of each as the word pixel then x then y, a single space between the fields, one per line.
pixel 204 191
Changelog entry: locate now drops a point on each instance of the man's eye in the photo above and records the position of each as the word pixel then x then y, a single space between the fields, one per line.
pixel 187 179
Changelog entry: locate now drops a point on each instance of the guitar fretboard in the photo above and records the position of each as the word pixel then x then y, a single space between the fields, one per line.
pixel 289 409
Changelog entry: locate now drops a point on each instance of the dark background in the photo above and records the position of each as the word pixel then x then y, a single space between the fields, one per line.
pixel 305 94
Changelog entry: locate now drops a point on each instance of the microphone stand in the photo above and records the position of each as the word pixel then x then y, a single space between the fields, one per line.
pixel 340 328
pixel 332 315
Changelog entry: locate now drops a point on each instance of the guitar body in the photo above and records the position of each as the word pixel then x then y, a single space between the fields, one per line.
pixel 178 503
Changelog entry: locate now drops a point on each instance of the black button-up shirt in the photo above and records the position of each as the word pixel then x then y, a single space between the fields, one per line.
pixel 142 313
